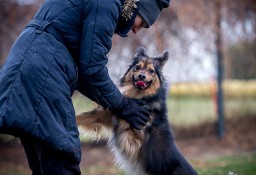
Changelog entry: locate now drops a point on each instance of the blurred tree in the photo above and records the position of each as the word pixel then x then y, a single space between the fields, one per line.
pixel 240 39
pixel 238 24
pixel 219 57
pixel 13 17
pixel 186 30
pixel 242 57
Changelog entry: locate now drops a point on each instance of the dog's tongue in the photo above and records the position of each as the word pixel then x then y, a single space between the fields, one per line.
pixel 140 84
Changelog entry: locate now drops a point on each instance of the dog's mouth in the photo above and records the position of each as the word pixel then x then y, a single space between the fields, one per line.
pixel 141 84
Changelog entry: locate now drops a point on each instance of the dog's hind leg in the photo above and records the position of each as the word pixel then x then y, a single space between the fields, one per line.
pixel 160 155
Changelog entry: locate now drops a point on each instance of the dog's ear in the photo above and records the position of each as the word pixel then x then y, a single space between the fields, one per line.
pixel 122 79
pixel 162 59
pixel 140 52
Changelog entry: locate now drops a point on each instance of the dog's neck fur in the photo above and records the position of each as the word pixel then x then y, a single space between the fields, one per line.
pixel 155 101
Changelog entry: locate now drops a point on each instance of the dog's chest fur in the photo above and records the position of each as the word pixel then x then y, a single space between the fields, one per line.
pixel 126 143
pixel 128 164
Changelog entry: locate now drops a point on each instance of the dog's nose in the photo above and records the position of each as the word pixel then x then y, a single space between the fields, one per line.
pixel 142 76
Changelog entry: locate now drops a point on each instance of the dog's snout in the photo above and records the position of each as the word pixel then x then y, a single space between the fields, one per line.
pixel 142 77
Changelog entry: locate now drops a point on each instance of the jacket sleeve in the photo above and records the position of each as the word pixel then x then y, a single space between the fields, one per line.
pixel 98 28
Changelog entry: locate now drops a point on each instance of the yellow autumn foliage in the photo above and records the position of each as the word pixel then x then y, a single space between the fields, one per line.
pixel 231 88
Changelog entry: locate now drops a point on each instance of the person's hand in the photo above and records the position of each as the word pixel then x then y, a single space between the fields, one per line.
pixel 133 112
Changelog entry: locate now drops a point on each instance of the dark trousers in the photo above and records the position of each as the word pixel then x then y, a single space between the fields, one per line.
pixel 44 161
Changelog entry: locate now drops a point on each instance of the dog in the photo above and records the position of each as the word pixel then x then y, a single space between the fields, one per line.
pixel 151 150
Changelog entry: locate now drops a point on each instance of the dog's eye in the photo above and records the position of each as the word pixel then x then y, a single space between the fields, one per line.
pixel 137 67
pixel 151 71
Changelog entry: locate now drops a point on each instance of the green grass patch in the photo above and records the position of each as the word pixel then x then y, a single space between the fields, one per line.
pixel 227 165
pixel 187 111
pixel 82 103
pixel 230 165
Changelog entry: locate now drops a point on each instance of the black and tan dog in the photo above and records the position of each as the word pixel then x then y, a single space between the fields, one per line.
pixel 152 150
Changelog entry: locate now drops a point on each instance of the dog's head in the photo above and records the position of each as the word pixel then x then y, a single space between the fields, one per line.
pixel 144 76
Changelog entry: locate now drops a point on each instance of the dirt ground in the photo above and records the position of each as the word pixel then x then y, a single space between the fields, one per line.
pixel 197 144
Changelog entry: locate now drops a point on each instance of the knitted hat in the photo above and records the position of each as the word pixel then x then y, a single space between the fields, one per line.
pixel 150 10
pixel 129 13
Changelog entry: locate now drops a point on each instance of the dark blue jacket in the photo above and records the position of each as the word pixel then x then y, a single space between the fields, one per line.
pixel 66 41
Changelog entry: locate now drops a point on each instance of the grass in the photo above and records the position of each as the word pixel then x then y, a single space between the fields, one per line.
pixel 183 111
pixel 101 169
pixel 230 165
pixel 81 103
pixel 187 111
pixel 227 165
